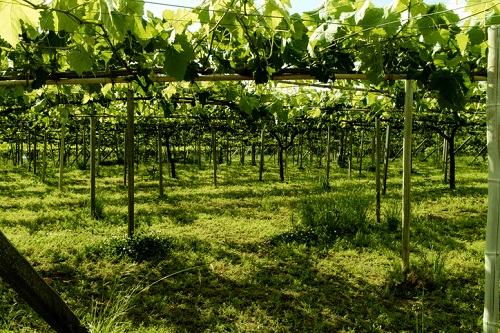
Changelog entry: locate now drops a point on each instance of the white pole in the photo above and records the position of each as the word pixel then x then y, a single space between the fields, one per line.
pixel 406 211
pixel 492 247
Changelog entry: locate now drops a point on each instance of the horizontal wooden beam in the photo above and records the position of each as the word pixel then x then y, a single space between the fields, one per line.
pixel 202 78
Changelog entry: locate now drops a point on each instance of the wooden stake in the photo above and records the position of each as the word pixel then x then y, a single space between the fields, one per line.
pixel 492 247
pixel 92 167
pixel 129 149
pixel 406 211
pixel 377 166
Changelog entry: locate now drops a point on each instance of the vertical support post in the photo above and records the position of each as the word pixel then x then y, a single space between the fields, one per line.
pixel 386 156
pixel 445 159
pixel 129 148
pixel 125 157
pixel 61 155
pixel 35 149
pixel 406 211
pixel 377 166
pixel 492 247
pixel 350 153
pixel 44 156
pixel 261 162
pixel 29 151
pixel 199 150
pixel 328 133
pixel 92 166
pixel 160 160
pixel 361 153
pixel 214 154
pixel 99 146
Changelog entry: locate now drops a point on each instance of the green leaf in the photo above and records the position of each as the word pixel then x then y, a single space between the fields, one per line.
pixel 476 35
pixel 41 76
pixel 63 21
pixel 167 108
pixel 462 40
pixel 12 13
pixel 80 61
pixel 248 104
pixel 113 21
pixel 178 56
pixel 451 87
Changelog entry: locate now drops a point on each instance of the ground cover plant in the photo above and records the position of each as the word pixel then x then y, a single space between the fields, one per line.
pixel 250 256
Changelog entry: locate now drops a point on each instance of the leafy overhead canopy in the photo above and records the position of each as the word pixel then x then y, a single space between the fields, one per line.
pixel 436 47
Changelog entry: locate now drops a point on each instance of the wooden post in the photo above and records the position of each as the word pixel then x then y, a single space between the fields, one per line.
pixel 350 154
pixel 214 154
pixel 199 151
pixel 92 166
pixel 377 166
pixel 44 156
pixel 35 150
pixel 99 146
pixel 361 153
pixel 445 159
pixel 129 152
pixel 29 151
pixel 22 277
pixel 406 211
pixel 125 165
pixel 386 156
pixel 328 133
pixel 160 160
pixel 261 162
pixel 492 247
pixel 84 145
pixel 61 155
pixel 301 149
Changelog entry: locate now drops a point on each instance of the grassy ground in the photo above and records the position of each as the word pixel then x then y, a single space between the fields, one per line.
pixel 236 258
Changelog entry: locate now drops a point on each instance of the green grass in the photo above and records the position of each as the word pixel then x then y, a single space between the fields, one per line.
pixel 239 257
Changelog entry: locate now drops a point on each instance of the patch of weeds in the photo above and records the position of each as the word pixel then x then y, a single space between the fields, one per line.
pixel 297 235
pixel 108 315
pixel 328 216
pixel 98 212
pixel 425 273
pixel 138 248
pixel 81 165
pixel 333 215
pixel 182 217
pixel 393 217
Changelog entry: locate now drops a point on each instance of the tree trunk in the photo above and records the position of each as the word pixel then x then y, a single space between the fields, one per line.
pixel 170 159
pixel 280 163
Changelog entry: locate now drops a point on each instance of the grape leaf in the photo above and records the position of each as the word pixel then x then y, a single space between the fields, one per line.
pixel 12 13
pixel 80 61
pixel 178 56
pixel 248 104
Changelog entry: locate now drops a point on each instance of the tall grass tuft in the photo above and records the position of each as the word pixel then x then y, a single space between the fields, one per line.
pixel 108 316
pixel 329 215
pixel 393 217
pixel 335 214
